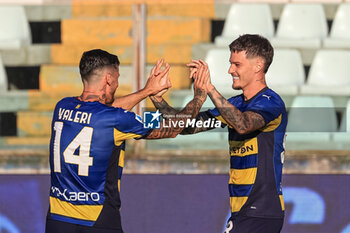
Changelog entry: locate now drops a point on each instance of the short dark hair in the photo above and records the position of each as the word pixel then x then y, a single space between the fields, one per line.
pixel 96 59
pixel 255 46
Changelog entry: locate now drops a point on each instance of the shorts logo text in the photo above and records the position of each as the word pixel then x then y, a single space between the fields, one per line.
pixel 75 196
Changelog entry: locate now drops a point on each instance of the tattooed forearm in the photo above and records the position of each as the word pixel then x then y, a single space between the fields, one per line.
pixel 193 107
pixel 194 130
pixel 242 122
pixel 170 132
pixel 190 111
pixel 164 107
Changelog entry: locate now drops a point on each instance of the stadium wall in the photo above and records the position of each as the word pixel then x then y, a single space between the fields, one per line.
pixel 185 203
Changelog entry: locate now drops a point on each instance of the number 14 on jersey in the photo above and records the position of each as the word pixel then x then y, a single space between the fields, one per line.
pixel 81 141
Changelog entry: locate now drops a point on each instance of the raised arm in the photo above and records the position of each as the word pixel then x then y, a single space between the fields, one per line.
pixel 189 112
pixel 163 106
pixel 157 82
pixel 128 102
pixel 242 122
pixel 167 110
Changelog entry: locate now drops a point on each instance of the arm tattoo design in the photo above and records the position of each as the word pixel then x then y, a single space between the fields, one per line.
pixel 190 111
pixel 164 107
pixel 242 122
pixel 194 130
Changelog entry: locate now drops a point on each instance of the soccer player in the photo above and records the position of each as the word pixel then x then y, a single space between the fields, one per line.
pixel 88 143
pixel 256 123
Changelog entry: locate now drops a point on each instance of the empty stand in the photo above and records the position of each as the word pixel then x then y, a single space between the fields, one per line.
pixel 329 74
pixel 12 101
pixel 286 73
pixel 340 32
pixel 301 26
pixel 246 18
pixel 3 77
pixel 109 32
pixel 15 31
pixel 98 8
pixel 344 131
pixel 311 118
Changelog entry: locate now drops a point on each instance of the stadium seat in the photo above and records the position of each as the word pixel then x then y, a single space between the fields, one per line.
pixel 246 18
pixel 3 77
pixel 329 74
pixel 301 26
pixel 340 32
pixel 311 118
pixel 15 31
pixel 344 131
pixel 286 73
pixel 218 62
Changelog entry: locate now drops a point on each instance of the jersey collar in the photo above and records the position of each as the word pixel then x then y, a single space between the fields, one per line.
pixel 251 99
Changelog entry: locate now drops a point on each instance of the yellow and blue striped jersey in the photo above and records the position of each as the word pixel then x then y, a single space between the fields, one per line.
pixel 256 159
pixel 87 159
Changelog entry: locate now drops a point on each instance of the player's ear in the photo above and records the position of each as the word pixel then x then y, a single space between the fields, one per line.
pixel 108 78
pixel 259 65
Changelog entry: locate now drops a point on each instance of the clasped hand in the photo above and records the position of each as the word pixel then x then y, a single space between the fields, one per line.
pixel 199 72
pixel 158 82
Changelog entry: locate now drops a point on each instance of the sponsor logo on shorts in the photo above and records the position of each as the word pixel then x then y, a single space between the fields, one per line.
pixel 74 196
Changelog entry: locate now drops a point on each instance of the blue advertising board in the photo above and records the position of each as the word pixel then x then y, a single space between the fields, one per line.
pixel 185 203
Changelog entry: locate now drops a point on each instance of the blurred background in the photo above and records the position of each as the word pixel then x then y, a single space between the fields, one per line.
pixel 178 185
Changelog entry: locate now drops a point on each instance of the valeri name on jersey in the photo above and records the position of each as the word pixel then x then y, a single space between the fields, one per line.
pixel 74 116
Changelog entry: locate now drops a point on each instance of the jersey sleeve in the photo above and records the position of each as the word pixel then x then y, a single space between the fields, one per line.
pixel 269 109
pixel 129 125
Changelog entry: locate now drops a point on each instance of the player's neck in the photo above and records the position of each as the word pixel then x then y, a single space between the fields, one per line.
pixel 93 96
pixel 250 91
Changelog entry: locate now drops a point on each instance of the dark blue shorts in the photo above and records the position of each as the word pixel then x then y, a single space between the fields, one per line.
pixel 245 224
pixel 53 226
